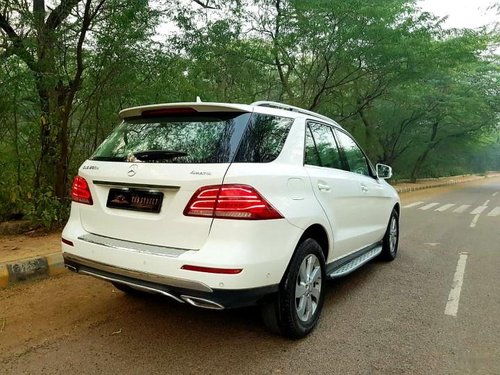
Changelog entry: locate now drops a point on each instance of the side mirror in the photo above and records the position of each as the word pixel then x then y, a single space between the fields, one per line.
pixel 383 171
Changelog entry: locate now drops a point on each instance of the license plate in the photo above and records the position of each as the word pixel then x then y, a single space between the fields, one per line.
pixel 135 200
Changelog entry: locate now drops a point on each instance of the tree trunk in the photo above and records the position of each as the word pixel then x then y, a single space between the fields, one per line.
pixel 61 179
pixel 421 159
pixel 52 170
pixel 370 147
pixel 43 175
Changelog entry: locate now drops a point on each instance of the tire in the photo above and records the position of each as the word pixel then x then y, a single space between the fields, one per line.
pixel 295 311
pixel 390 241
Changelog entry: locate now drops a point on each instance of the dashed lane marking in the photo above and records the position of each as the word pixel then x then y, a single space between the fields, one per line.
pixel 457 208
pixel 478 210
pixel 458 280
pixel 413 204
pixel 462 208
pixel 494 194
pixel 494 212
pixel 474 221
pixel 427 206
pixel 444 207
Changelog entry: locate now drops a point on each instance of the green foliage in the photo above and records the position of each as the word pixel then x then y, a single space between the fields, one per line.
pixel 44 209
pixel 421 98
pixel 11 202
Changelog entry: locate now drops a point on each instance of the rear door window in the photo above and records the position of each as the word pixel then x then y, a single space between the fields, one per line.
pixel 321 147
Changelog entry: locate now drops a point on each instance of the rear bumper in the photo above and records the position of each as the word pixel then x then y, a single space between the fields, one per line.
pixel 181 290
pixel 262 249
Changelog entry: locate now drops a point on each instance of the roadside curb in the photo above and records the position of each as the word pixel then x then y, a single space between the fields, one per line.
pixel 406 189
pixel 31 269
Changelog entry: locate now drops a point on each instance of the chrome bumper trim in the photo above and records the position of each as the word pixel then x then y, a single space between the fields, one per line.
pixel 150 277
pixel 172 252
pixel 132 185
pixel 133 285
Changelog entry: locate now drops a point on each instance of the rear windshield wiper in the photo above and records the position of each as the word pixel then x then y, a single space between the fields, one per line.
pixel 158 154
pixel 108 158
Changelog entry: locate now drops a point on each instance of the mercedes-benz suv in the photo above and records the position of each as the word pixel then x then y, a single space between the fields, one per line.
pixel 229 205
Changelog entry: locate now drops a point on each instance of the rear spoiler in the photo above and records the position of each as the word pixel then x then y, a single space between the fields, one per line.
pixel 186 107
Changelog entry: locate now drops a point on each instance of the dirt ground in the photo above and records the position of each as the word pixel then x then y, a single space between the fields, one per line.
pixel 17 247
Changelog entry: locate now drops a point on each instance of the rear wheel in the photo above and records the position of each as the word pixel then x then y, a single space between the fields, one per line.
pixel 296 310
pixel 391 238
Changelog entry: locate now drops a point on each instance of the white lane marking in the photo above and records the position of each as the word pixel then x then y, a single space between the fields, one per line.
pixel 474 221
pixel 456 288
pixel 444 207
pixel 494 212
pixel 478 210
pixel 494 194
pixel 462 208
pixel 413 204
pixel 433 244
pixel 427 206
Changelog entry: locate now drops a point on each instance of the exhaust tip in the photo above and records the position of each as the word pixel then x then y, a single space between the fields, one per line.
pixel 202 303
pixel 71 268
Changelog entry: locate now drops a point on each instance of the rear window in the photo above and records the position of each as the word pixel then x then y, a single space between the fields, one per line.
pixel 193 138
pixel 197 138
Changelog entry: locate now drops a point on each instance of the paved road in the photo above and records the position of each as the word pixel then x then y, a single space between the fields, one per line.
pixel 383 319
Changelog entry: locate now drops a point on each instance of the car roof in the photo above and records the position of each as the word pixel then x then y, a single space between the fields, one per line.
pixel 265 107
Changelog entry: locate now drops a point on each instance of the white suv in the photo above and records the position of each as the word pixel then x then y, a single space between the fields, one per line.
pixel 228 205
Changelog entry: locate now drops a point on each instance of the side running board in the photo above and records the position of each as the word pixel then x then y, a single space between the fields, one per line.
pixel 355 263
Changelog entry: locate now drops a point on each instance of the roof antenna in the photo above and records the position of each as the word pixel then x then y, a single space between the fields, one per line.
pixel 198 99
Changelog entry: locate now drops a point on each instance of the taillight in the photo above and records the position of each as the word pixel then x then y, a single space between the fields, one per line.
pixel 80 191
pixel 230 202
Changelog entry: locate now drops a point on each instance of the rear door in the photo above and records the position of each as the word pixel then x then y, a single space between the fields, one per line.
pixel 336 189
pixel 143 175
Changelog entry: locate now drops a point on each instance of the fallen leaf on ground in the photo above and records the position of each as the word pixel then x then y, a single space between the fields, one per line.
pixel 117 332
pixel 2 324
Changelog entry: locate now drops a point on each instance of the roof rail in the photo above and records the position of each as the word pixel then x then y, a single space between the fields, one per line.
pixel 289 107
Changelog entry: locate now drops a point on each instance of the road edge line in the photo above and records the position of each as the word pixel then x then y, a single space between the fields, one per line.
pixel 451 308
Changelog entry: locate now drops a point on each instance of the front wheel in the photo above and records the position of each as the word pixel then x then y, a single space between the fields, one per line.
pixel 296 310
pixel 391 238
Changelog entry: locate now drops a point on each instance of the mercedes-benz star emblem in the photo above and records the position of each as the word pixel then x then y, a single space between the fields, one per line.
pixel 132 170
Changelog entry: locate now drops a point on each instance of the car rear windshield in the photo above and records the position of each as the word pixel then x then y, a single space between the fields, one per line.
pixel 217 137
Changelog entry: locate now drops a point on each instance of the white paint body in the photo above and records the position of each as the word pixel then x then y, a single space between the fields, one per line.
pixel 352 218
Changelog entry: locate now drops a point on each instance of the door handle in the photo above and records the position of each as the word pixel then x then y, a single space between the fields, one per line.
pixel 364 189
pixel 323 187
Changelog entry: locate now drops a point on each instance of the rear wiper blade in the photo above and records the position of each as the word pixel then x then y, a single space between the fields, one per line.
pixel 108 158
pixel 158 154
